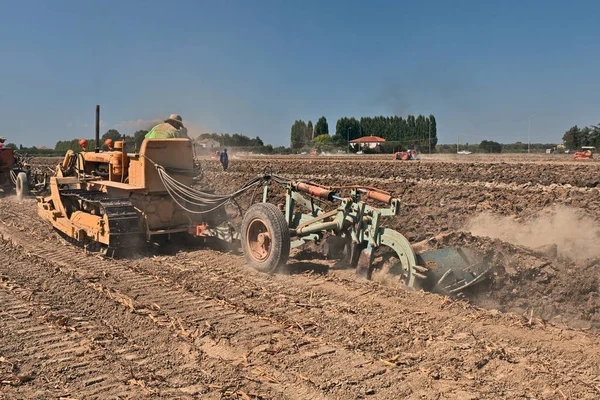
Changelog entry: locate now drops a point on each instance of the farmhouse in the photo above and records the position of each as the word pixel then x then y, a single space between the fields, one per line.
pixel 208 143
pixel 367 141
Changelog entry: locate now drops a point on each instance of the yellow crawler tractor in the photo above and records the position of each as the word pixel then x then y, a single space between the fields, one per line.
pixel 112 201
pixel 108 201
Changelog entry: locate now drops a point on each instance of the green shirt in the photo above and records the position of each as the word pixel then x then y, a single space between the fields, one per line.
pixel 163 131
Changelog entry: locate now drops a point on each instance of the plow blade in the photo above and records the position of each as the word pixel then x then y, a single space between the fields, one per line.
pixel 452 270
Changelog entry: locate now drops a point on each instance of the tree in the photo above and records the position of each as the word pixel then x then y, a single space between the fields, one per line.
pixel 594 139
pixel 585 136
pixel 310 132
pixel 412 129
pixel 12 146
pixel 572 138
pixel 490 146
pixel 346 128
pixel 323 139
pixel 321 127
pixel 433 130
pixel 111 134
pixel 300 135
pixel 421 129
pixel 138 138
pixel 295 135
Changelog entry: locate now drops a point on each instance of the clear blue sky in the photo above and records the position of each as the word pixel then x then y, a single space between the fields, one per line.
pixel 253 67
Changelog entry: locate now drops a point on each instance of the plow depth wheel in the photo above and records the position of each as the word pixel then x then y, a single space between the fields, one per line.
pixel 265 237
pixel 404 264
pixel 22 186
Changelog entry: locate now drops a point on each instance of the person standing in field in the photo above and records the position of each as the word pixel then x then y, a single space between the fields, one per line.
pixel 171 128
pixel 224 159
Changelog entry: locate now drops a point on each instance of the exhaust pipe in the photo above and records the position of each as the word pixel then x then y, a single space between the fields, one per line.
pixel 97 150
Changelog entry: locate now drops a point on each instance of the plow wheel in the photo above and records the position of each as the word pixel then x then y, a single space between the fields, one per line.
pixel 265 237
pixel 22 186
pixel 396 259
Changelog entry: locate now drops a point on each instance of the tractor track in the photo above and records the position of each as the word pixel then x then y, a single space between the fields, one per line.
pixel 303 335
pixel 199 318
pixel 152 349
pixel 67 352
pixel 23 336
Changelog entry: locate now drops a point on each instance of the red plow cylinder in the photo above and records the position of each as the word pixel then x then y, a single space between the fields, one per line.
pixel 316 191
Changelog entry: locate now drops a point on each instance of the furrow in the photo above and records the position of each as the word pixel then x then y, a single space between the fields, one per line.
pixel 30 351
pixel 178 307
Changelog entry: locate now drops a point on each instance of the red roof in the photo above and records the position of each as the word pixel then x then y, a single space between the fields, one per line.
pixel 368 139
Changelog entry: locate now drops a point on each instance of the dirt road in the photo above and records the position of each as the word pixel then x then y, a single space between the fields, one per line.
pixel 199 324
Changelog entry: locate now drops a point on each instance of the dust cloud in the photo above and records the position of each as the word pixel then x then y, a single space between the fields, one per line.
pixel 139 124
pixel 194 130
pixel 574 232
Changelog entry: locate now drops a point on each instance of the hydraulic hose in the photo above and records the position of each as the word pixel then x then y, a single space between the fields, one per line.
pixel 195 201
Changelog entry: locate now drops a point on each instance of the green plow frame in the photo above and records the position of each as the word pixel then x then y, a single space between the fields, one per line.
pixel 352 228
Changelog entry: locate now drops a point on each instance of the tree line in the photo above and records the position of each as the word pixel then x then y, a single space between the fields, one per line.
pixel 409 132
pixel 132 142
pixel 488 146
pixel 232 140
pixel 576 137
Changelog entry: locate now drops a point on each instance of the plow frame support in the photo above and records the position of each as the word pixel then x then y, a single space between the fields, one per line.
pixel 353 220
pixel 406 254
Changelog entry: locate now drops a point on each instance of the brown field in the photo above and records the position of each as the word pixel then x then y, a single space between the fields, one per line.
pixel 192 322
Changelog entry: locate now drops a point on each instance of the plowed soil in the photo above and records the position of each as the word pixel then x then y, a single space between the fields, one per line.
pixel 194 322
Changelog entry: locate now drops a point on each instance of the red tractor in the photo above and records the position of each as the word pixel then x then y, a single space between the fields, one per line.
pixel 585 154
pixel 406 155
pixel 16 173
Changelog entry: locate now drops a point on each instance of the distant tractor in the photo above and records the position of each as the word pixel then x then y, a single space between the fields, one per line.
pixel 17 174
pixel 406 155
pixel 586 153
pixel 7 162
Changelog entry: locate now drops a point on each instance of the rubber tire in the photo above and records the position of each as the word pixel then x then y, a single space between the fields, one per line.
pixel 274 220
pixel 22 186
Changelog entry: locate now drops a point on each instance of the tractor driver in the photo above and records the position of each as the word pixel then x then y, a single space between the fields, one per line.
pixel 171 128
pixel 2 140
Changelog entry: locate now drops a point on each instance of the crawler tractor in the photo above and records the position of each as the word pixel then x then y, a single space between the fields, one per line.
pixel 111 201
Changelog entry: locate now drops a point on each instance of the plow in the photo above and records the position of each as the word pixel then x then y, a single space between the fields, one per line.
pixel 352 227
pixel 114 201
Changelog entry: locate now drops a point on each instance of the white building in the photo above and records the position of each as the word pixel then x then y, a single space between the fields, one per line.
pixel 208 143
pixel 368 141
